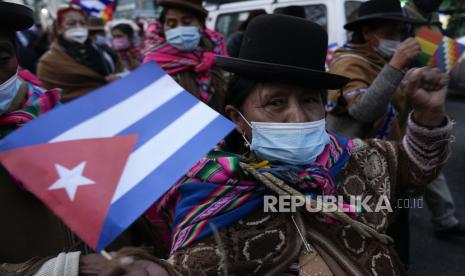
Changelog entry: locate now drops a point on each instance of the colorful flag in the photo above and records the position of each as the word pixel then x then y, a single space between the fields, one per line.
pixel 100 161
pixel 438 50
pixel 447 54
pixel 429 41
pixel 99 8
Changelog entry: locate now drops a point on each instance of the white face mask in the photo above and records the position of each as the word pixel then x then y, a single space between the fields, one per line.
pixel 289 143
pixel 77 34
pixel 387 47
pixel 8 91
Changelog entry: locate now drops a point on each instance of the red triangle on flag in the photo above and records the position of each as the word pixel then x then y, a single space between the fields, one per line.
pixel 75 179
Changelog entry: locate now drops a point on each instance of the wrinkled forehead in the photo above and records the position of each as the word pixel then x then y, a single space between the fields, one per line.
pixel 72 16
pixel 267 90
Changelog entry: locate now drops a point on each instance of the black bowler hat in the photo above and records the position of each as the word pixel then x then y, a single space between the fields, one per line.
pixel 15 17
pixel 380 9
pixel 284 48
pixel 194 5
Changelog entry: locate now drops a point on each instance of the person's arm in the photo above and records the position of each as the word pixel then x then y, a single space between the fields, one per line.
pixel 373 103
pixel 63 264
pixel 424 148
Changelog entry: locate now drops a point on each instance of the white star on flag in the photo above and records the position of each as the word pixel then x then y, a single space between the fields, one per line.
pixel 71 179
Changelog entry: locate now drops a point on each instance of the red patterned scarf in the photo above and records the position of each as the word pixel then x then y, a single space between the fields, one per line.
pixel 37 102
pixel 216 191
pixel 172 60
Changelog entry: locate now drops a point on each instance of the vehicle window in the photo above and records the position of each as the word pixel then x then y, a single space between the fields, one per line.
pixel 315 13
pixel 351 9
pixel 229 22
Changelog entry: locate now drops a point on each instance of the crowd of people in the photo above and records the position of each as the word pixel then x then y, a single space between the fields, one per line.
pixel 372 123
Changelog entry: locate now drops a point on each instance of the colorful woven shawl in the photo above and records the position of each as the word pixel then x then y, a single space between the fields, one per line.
pixel 38 101
pixel 173 60
pixel 216 191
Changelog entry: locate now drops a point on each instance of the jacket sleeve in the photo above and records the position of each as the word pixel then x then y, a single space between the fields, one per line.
pixel 423 152
pixel 365 101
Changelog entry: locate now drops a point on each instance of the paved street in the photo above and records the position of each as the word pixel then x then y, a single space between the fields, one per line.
pixel 430 256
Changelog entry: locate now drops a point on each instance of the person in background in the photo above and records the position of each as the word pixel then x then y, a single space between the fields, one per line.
pixel 181 44
pixel 123 42
pixel 373 104
pixel 74 63
pixel 375 59
pixel 96 27
pixel 437 195
pixel 97 35
pixel 234 40
pixel 20 101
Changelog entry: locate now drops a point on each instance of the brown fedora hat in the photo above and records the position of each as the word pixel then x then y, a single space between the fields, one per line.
pixel 194 5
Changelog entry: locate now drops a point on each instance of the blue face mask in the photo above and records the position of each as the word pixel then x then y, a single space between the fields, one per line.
pixel 387 47
pixel 8 91
pixel 185 39
pixel 100 40
pixel 289 143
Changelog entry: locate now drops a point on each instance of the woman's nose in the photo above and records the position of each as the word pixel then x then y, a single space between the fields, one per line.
pixel 297 115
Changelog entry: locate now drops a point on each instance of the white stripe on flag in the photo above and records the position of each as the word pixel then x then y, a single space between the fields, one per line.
pixel 93 4
pixel 124 114
pixel 157 150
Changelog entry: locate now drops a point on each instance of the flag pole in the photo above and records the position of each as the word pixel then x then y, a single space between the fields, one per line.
pixel 106 255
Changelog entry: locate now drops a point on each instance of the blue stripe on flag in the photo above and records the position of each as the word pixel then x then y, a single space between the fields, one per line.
pixel 163 116
pixel 62 119
pixel 128 208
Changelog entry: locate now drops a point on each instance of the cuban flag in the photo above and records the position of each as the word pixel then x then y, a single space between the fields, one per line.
pixel 99 8
pixel 100 161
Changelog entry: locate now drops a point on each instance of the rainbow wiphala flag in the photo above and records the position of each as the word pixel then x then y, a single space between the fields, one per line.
pixel 438 50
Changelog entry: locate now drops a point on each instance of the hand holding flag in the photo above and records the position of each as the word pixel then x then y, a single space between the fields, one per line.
pixel 100 161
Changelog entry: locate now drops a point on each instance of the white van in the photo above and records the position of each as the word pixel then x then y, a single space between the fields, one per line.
pixel 331 14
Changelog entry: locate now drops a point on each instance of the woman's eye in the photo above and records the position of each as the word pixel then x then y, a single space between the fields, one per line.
pixel 171 23
pixel 276 102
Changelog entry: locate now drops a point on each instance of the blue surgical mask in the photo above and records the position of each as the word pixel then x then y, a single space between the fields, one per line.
pixel 100 40
pixel 185 39
pixel 8 91
pixel 387 47
pixel 289 143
